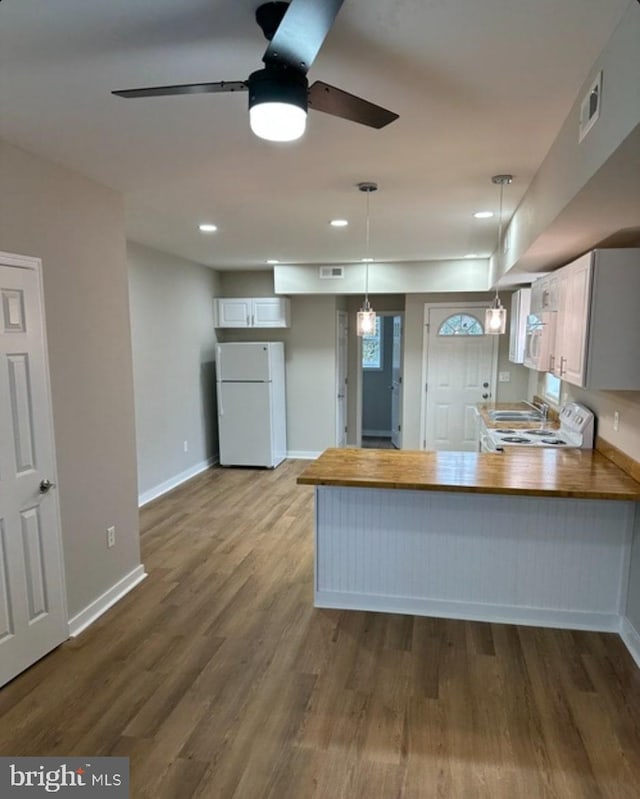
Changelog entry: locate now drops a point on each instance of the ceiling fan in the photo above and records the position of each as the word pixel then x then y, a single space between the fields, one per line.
pixel 280 93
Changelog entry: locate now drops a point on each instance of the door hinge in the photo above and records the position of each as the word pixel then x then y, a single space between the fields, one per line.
pixel 345 428
pixel 427 326
pixel 399 427
pixel 426 386
pixel 400 379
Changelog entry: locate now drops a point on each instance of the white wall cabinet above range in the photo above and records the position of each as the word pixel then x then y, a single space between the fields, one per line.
pixel 597 325
pixel 252 312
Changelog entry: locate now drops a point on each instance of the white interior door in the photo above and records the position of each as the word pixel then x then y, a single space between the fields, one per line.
pixel 460 372
pixel 396 382
pixel 32 603
pixel 341 380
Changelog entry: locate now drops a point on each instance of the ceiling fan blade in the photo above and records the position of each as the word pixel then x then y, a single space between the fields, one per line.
pixel 301 33
pixel 339 103
pixel 186 88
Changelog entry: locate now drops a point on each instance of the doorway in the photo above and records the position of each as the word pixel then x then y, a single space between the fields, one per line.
pixel 33 618
pixel 460 364
pixel 381 381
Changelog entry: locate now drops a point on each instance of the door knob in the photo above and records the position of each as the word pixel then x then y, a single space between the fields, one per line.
pixel 485 385
pixel 45 485
pixel 485 396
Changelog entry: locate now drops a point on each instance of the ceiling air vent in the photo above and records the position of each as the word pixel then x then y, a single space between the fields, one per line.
pixel 331 272
pixel 590 107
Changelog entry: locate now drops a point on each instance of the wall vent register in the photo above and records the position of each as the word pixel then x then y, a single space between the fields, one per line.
pixel 331 272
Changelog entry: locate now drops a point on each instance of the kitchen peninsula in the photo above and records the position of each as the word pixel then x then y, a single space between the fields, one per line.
pixel 533 536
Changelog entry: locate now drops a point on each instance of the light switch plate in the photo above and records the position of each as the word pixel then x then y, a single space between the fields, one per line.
pixel 504 377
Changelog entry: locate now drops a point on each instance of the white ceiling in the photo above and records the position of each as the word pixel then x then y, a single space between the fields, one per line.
pixel 481 86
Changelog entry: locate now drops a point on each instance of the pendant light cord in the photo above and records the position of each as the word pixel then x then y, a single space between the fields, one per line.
pixel 501 180
pixel 497 300
pixel 367 231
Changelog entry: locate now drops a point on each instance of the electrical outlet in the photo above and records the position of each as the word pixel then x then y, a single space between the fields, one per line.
pixel 504 377
pixel 616 421
pixel 186 446
pixel 111 537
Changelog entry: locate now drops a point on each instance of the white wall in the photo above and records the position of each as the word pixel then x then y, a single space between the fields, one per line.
pixel 572 167
pixel 173 341
pixel 76 226
pixel 467 274
pixel 310 346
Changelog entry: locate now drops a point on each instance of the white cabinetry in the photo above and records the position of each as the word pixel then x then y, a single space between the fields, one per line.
pixel 598 320
pixel 573 293
pixel 252 312
pixel 520 302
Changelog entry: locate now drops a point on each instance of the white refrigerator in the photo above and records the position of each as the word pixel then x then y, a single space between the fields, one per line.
pixel 250 382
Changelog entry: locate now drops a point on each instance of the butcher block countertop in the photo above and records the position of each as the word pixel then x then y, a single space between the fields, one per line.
pixel 584 474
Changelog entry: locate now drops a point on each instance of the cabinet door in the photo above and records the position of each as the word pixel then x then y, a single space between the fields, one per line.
pixel 575 321
pixel 270 312
pixel 233 312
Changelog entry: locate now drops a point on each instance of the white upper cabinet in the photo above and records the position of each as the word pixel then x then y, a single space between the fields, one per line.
pixel 252 312
pixel 573 293
pixel 597 330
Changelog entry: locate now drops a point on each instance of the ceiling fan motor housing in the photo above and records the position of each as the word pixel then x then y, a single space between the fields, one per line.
pixel 275 85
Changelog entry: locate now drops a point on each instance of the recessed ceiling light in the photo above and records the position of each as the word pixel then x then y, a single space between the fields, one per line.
pixel 273 261
pixel 207 228
pixel 472 255
pixel 339 222
pixel 483 214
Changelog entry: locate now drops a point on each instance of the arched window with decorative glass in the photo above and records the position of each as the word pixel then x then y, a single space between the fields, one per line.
pixel 461 324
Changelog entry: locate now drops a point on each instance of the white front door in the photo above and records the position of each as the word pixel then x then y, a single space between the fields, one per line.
pixel 341 380
pixel 32 603
pixel 396 381
pixel 460 370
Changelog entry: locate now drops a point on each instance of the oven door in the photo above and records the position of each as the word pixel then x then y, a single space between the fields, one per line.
pixel 486 443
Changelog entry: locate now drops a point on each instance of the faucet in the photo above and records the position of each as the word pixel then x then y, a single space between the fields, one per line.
pixel 542 407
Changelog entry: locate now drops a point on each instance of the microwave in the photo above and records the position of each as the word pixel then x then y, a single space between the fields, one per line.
pixel 539 341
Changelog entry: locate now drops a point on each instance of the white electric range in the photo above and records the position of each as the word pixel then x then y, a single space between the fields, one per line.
pixel 576 430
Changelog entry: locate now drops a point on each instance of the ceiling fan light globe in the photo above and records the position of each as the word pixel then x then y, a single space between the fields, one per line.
pixel 276 121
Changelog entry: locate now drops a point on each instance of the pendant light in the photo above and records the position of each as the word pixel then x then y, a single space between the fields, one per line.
pixel 495 317
pixel 366 316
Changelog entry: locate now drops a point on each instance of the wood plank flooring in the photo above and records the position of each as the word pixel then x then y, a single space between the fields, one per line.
pixel 219 680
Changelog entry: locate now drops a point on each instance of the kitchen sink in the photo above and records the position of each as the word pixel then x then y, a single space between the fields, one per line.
pixel 515 416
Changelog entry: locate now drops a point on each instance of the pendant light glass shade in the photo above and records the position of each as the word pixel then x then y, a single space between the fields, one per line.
pixel 495 318
pixel 366 316
pixel 366 320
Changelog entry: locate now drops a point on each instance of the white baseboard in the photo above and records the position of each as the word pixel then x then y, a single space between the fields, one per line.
pixel 302 455
pixel 631 638
pixel 470 611
pixel 174 482
pixel 377 433
pixel 100 605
